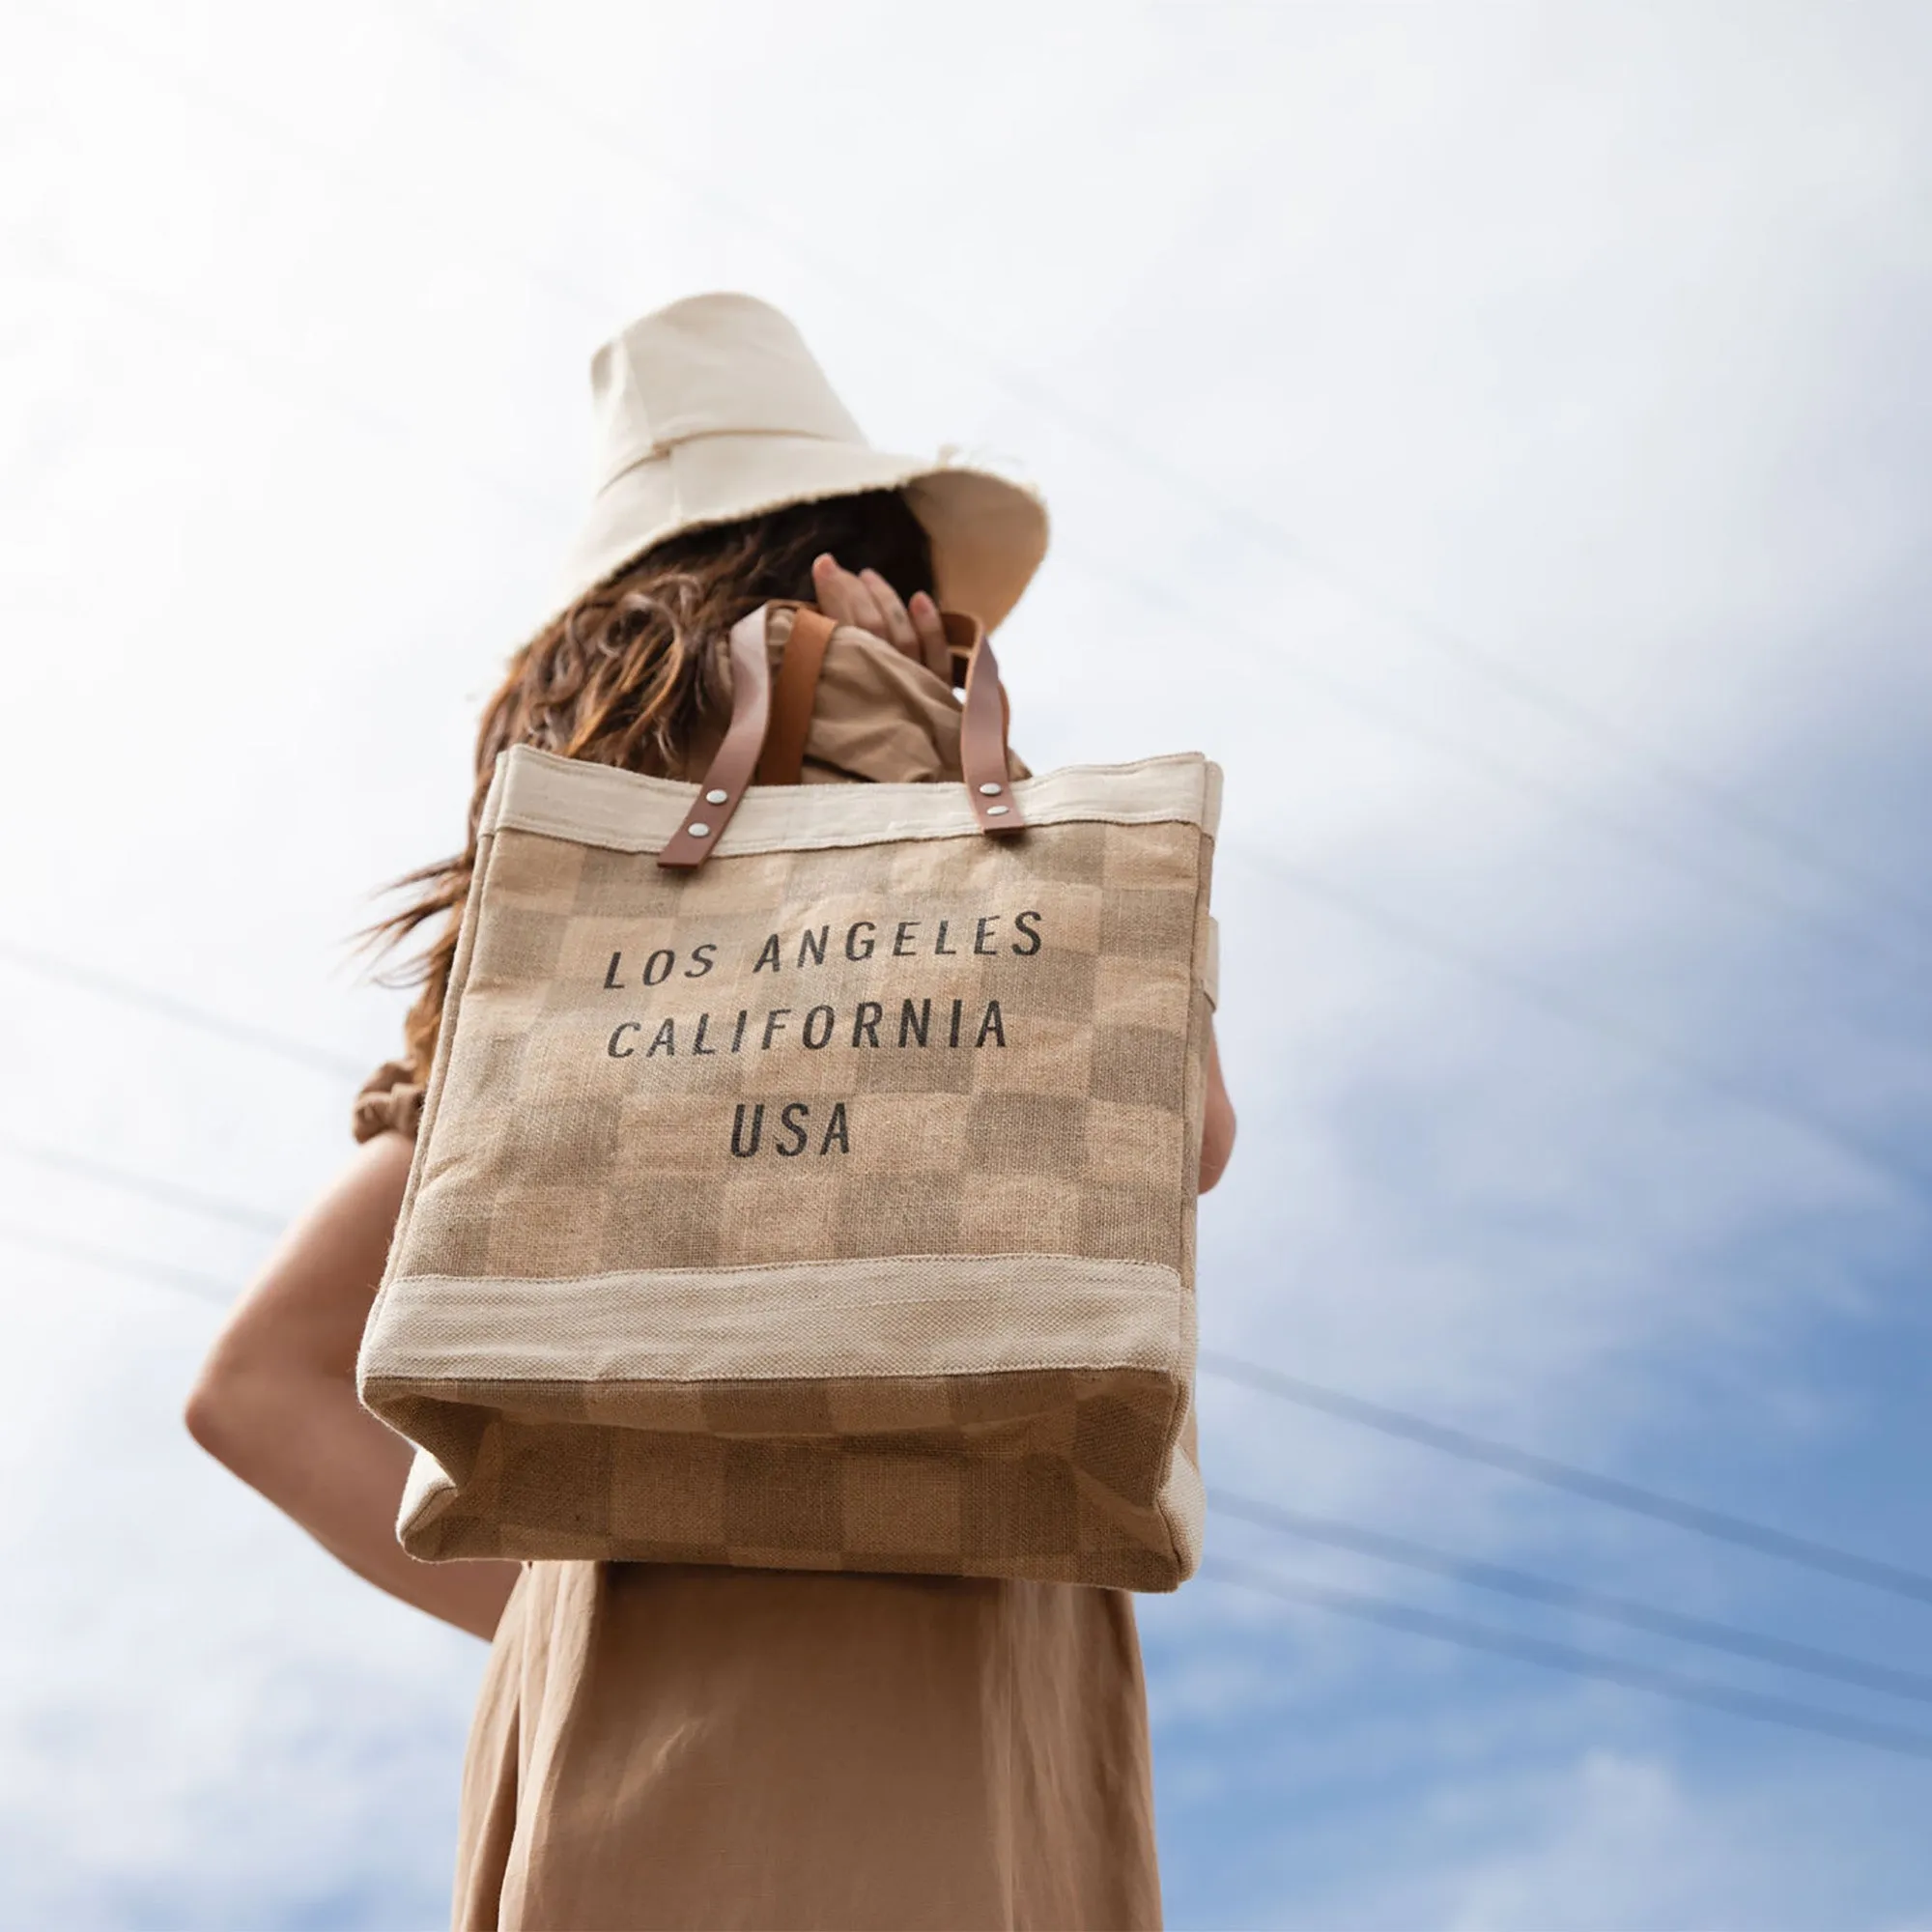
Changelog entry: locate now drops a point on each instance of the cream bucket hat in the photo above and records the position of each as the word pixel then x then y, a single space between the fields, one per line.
pixel 713 409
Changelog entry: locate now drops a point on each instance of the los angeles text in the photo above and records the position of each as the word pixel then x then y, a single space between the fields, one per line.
pixel 865 1024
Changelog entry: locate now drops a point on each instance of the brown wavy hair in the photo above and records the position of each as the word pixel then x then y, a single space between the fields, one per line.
pixel 629 674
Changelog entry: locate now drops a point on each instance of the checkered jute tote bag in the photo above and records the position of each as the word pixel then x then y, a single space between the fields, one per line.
pixel 806 1173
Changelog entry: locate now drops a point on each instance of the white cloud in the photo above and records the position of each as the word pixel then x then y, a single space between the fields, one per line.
pixel 1596 334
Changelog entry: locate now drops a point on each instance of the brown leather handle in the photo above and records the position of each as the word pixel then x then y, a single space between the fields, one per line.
pixel 710 812
pixel 984 760
pixel 782 761
pixel 767 737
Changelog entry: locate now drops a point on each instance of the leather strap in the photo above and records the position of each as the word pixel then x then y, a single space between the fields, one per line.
pixel 792 698
pixel 710 812
pixel 984 726
pixel 756 720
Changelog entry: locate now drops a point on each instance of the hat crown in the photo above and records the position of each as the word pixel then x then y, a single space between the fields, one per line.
pixel 709 365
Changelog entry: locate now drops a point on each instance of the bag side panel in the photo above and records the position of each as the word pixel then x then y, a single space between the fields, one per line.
pixel 459 973
pixel 1183 1503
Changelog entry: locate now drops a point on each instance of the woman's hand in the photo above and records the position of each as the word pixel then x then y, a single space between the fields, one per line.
pixel 866 599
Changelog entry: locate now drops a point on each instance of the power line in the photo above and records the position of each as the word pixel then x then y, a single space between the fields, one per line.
pixel 1519 986
pixel 1745 814
pixel 1536 1589
pixel 1533 992
pixel 1760 1708
pixel 1613 738
pixel 1612 1491
pixel 1754 1705
pixel 150 1187
pixel 1352 1408
pixel 1650 846
pixel 1454 1629
pixel 88 978
pixel 1653 847
pixel 1334 1403
pixel 183 1281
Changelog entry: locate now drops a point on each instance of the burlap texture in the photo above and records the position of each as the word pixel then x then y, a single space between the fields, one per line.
pixel 937 1047
pixel 1048 1476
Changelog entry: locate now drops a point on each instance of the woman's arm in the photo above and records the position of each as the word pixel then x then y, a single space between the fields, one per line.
pixel 276 1400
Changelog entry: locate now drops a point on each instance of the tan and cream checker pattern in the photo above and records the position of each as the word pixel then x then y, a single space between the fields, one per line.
pixel 1041 1476
pixel 836 1047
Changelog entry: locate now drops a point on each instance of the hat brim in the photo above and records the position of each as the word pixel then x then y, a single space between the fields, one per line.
pixel 988 533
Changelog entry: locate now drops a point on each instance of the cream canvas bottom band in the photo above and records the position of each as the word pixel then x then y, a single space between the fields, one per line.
pixel 902 1315
pixel 1016 1415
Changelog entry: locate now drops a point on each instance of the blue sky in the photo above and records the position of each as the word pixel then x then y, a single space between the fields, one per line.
pixel 1496 435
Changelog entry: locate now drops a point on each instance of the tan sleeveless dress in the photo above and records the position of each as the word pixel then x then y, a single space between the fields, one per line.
pixel 682 1746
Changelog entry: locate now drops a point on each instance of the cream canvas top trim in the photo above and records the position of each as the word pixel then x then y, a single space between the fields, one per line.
pixel 627 812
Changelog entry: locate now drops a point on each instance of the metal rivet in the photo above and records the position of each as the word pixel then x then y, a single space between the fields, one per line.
pixel 994 810
pixel 991 790
pixel 716 797
pixel 700 831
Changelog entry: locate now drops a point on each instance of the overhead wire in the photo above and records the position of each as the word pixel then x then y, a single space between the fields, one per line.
pixel 1761 1708
pixel 1518 985
pixel 1655 847
pixel 1384 1418
pixel 202 1288
pixel 1524 987
pixel 1757 1706
pixel 1806 1658
pixel 1761 1538
pixel 1732 1088
pixel 1719 1526
pixel 1738 809
pixel 1114 573
pixel 1527 1585
pixel 184 1012
pixel 150 1187
pixel 1614 739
